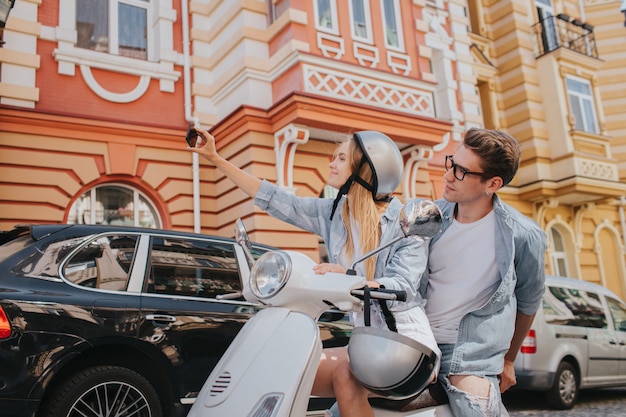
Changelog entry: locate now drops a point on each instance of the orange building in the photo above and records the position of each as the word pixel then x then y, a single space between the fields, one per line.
pixel 93 115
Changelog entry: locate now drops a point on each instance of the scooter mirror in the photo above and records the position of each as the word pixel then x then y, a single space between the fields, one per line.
pixel 420 218
pixel 242 238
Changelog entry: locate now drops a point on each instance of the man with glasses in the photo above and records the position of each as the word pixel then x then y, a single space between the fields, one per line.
pixel 485 275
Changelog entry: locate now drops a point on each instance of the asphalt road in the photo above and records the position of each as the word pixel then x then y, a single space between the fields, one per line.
pixel 591 403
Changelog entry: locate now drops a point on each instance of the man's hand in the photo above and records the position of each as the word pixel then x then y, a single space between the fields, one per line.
pixel 507 377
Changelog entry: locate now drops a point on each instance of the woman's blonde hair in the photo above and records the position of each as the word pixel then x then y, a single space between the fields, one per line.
pixel 364 210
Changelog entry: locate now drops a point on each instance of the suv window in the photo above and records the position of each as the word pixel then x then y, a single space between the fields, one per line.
pixel 618 312
pixel 191 267
pixel 573 307
pixel 103 263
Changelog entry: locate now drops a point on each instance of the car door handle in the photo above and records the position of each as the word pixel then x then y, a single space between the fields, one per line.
pixel 161 317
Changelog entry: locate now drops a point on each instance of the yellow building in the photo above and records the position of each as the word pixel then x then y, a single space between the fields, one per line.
pixel 550 72
pixel 92 115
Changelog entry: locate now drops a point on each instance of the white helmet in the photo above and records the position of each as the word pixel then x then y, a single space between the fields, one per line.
pixel 390 364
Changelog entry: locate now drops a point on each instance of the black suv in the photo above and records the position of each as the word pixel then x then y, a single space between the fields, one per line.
pixel 106 321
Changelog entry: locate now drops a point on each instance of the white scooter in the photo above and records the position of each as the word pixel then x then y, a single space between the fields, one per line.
pixel 269 368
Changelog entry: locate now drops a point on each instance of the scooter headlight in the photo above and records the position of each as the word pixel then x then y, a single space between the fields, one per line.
pixel 270 274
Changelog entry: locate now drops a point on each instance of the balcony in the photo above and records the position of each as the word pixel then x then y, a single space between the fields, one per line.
pixel 562 31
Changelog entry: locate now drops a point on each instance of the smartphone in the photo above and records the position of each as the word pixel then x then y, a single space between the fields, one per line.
pixel 192 136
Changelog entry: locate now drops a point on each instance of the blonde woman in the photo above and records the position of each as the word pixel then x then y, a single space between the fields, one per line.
pixel 366 169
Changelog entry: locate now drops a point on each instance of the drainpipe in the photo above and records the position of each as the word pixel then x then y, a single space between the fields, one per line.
pixel 195 164
pixel 622 218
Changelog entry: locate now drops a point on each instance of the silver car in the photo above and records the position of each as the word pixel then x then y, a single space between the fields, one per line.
pixel 577 341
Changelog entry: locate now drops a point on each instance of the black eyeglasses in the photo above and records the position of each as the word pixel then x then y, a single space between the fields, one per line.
pixel 460 172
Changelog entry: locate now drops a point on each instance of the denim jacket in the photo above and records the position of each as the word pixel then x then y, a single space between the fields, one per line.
pixel 398 267
pixel 485 334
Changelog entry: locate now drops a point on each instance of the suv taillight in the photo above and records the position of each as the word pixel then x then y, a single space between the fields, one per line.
pixel 530 343
pixel 5 325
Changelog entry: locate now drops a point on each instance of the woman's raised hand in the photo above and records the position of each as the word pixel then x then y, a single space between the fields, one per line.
pixel 205 145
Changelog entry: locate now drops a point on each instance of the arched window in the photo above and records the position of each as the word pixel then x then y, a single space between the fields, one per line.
pixel 115 205
pixel 559 258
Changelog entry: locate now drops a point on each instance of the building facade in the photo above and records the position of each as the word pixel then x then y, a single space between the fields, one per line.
pixel 95 98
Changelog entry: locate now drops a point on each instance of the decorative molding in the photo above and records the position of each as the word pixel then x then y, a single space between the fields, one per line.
pixel 399 63
pixel 596 169
pixel 541 208
pixel 417 154
pixel 597 249
pixel 346 86
pixel 286 140
pixel 366 55
pixel 331 46
pixel 578 220
pixel 135 94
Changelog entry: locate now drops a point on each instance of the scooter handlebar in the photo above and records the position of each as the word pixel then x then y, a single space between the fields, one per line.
pixel 381 294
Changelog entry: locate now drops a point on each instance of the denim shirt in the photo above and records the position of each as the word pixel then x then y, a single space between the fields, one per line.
pixel 398 267
pixel 485 334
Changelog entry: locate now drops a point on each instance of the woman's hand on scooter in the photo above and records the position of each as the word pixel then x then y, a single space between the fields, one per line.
pixel 323 268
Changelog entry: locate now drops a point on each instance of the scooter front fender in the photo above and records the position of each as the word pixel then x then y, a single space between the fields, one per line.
pixel 274 356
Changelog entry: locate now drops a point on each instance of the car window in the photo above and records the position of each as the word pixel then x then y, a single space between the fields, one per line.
pixel 44 261
pixel 573 307
pixel 190 267
pixel 618 312
pixel 103 263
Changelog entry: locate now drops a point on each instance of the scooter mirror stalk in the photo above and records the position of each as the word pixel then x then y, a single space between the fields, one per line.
pixel 419 218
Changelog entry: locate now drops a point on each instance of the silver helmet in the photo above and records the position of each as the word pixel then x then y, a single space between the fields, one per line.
pixel 384 157
pixel 390 364
pixel 385 161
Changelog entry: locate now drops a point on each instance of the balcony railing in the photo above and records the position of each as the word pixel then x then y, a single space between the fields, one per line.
pixel 555 32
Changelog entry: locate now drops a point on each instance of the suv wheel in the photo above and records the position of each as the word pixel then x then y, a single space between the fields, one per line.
pixel 104 391
pixel 564 391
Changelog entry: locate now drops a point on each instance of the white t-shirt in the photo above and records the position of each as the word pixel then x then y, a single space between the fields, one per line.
pixel 463 275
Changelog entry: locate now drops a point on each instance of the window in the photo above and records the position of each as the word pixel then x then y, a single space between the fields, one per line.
pixel 618 313
pixel 391 21
pixel 326 16
pixel 581 102
pixel 188 267
pixel 473 12
pixel 545 13
pixel 115 205
pixel 103 263
pixel 559 258
pixel 118 27
pixel 361 26
pixel 486 109
pixel 572 307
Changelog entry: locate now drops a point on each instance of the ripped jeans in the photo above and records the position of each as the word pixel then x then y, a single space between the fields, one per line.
pixel 467 405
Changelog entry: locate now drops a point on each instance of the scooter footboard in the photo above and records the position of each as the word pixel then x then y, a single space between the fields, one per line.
pixel 277 346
